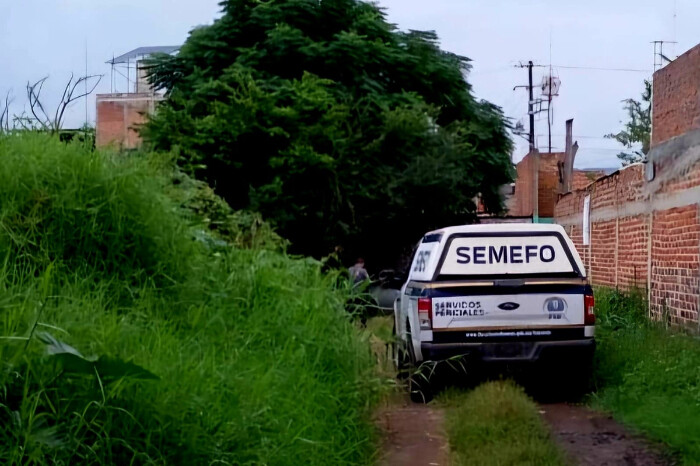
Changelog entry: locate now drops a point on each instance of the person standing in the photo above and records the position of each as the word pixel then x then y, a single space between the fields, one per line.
pixel 358 273
pixel 357 304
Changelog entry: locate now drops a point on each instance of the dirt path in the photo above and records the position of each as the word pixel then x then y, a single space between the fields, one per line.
pixel 414 435
pixel 592 438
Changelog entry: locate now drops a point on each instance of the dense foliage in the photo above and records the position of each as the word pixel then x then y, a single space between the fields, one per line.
pixel 329 121
pixel 647 374
pixel 128 337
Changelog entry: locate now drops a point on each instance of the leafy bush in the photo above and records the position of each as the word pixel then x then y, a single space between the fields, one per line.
pixel 239 228
pixel 240 357
pixel 646 374
pixel 333 124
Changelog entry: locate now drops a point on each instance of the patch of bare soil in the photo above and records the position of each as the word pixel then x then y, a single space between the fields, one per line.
pixel 414 435
pixel 592 438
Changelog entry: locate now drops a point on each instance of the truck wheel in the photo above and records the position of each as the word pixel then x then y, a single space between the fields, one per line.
pixel 580 378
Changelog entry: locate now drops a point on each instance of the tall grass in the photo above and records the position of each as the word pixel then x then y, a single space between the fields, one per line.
pixel 648 375
pixel 255 358
pixel 497 424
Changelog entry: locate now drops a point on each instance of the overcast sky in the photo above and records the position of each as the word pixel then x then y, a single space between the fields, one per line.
pixel 40 37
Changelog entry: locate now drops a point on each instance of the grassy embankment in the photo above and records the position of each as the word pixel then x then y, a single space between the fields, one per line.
pixel 647 375
pixel 165 345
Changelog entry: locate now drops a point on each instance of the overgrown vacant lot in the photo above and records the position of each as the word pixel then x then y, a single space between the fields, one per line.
pixel 648 375
pixel 130 335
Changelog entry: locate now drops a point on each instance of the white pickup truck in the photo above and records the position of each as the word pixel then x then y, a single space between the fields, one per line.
pixel 514 293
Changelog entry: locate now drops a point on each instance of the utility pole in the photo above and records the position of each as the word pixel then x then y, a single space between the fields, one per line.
pixel 530 110
pixel 531 139
pixel 535 153
pixel 549 111
pixel 530 102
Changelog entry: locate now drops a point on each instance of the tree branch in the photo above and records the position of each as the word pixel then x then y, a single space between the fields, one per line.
pixel 61 105
pixel 69 98
pixel 33 94
pixel 70 94
pixel 5 114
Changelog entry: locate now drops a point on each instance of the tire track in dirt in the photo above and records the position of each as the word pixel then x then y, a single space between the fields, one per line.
pixel 592 438
pixel 414 435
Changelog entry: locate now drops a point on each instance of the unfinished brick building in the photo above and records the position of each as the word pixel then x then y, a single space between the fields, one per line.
pixel 119 114
pixel 549 181
pixel 645 219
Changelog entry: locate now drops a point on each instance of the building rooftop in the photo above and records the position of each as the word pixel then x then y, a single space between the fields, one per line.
pixel 143 51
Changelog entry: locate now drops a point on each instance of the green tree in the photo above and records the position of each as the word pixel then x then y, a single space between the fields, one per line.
pixel 637 130
pixel 332 124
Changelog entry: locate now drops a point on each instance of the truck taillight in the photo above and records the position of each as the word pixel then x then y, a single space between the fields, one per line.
pixel 589 309
pixel 425 313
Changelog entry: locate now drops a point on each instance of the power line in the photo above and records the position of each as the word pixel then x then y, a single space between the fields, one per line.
pixel 603 148
pixel 480 71
pixel 578 136
pixel 598 68
pixel 584 148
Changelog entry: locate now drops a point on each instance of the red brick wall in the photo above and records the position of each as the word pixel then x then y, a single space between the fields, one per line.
pixel 628 215
pixel 647 234
pixel 676 109
pixel 521 203
pixel 602 261
pixel 549 183
pixel 548 180
pixel 632 255
pixel 675 233
pixel 582 178
pixel 675 260
pixel 118 117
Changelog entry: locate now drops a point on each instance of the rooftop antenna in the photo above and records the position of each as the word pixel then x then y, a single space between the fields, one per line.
pixel 550 88
pixel 660 60
pixel 86 88
pixel 675 10
pixel 550 116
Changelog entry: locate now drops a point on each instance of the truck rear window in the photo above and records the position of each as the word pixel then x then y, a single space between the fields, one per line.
pixel 499 254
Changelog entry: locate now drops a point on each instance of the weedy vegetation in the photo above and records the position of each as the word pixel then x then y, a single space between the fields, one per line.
pixel 647 374
pixel 133 332
pixel 497 424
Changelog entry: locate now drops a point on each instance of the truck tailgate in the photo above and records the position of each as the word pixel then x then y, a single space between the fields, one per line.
pixel 491 307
